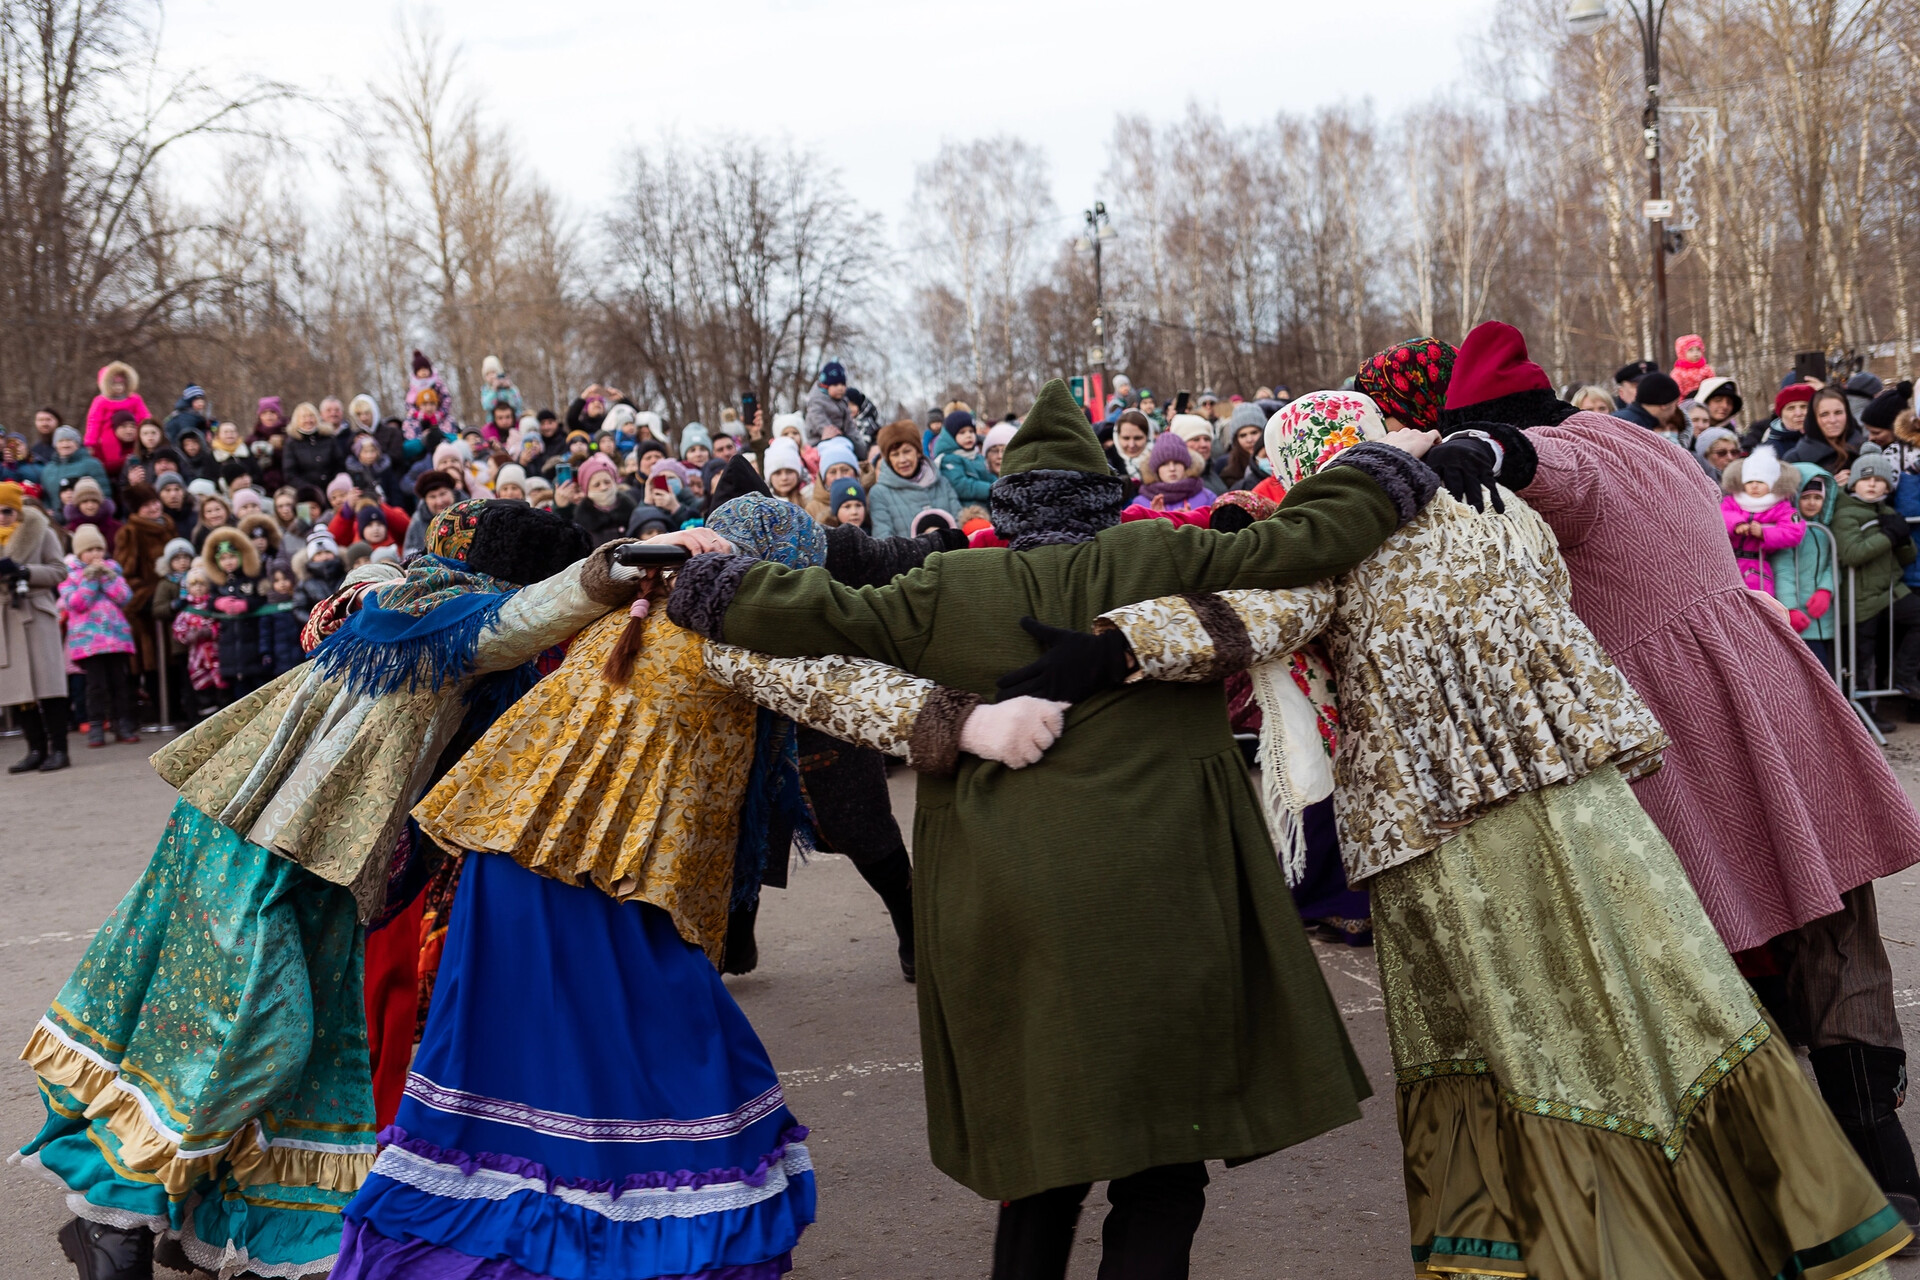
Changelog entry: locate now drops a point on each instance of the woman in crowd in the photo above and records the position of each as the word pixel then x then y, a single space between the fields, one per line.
pixel 1832 438
pixel 906 483
pixel 33 671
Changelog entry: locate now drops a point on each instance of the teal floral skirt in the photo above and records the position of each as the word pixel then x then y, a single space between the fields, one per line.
pixel 205 1069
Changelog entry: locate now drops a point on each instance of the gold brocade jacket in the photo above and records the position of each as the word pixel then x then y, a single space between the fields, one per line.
pixel 1464 676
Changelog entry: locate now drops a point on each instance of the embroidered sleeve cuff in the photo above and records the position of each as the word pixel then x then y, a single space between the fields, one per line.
pixel 934 746
pixel 857 700
pixel 704 588
pixel 1401 476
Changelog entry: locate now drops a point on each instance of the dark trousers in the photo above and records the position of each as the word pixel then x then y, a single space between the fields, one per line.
pixel 1148 1234
pixel 1870 646
pixel 109 690
pixel 1835 996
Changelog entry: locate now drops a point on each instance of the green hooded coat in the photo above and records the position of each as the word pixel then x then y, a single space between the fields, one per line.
pixel 1111 972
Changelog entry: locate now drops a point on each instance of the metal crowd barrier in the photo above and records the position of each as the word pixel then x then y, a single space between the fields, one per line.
pixel 164 711
pixel 1846 644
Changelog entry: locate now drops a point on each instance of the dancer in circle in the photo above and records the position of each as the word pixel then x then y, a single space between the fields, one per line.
pixel 1587 1087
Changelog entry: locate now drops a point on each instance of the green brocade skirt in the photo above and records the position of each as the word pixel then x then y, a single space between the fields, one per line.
pixel 1586 1087
pixel 205 1068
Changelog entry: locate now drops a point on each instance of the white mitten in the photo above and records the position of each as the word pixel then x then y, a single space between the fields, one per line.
pixel 1015 733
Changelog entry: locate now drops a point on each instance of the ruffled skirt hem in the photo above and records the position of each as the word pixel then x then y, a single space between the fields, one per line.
pixel 1765 1187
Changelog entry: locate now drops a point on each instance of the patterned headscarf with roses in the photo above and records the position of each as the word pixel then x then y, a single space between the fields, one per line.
pixel 1307 433
pixel 1409 381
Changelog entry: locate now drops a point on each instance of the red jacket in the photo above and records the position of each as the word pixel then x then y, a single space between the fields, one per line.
pixel 346 529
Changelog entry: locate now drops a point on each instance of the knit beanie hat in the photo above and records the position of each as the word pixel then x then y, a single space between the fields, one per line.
pixel 1798 393
pixel 270 404
pixel 1191 426
pixel 1055 485
pixel 1657 388
pixel 337 487
pixel 845 489
pixel 321 540
pixel 838 452
pixel 67 434
pixel 174 547
pixel 593 466
pixel 1494 381
pixel 1000 436
pixel 1873 464
pixel 693 435
pixel 12 496
pixel 954 421
pixel 87 538
pixel 87 487
pixel 783 455
pixel 202 488
pixel 1762 465
pixel 369 513
pixel 1168 446
pixel 511 474
pixel 1887 406
pixel 247 499
pixel 168 480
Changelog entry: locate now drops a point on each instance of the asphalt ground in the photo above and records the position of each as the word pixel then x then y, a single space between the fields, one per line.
pixel 840 1023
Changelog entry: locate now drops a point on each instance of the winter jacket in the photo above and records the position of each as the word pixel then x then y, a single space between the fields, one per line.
pixel 185 418
pixel 139 544
pixel 280 624
pixel 1875 561
pixel 197 629
pixel 1906 500
pixel 99 436
pixel 345 527
pixel 966 472
pixel 1781 522
pixel 312 460
pixel 645 521
pixel 241 655
pixel 61 472
pixel 1821 454
pixel 322 582
pixel 604 526
pixel 1803 573
pixel 71 518
pixel 92 607
pixel 894 502
pixel 824 411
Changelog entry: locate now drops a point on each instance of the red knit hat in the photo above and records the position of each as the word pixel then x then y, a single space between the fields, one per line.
pixel 1493 363
pixel 1798 393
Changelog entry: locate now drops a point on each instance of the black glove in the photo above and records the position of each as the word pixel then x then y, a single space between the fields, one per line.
pixel 1075 666
pixel 1894 526
pixel 9 570
pixel 953 540
pixel 1465 466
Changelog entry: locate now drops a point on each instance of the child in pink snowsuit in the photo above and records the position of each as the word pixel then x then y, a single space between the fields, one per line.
pixel 1760 514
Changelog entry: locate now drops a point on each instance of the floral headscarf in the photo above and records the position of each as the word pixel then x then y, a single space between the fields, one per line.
pixel 1256 505
pixel 1409 381
pixel 1307 433
pixel 450 536
pixel 770 529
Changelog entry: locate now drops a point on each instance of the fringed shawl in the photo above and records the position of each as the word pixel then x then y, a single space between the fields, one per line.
pixel 423 630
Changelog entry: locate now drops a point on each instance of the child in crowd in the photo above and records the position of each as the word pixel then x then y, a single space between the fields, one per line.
pixel 1803 573
pixel 99 638
pixel 1761 514
pixel 280 622
pixel 906 484
pixel 846 504
pixel 197 627
pixel 1875 542
pixel 1173 487
pixel 605 508
pixel 837 462
pixel 786 470
pixel 172 567
pixel 322 570
pixel 957 453
pixel 234 568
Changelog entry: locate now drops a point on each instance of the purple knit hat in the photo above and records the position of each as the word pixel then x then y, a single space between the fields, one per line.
pixel 1168 447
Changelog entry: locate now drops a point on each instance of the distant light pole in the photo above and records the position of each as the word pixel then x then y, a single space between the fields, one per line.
pixel 1586 16
pixel 1099 230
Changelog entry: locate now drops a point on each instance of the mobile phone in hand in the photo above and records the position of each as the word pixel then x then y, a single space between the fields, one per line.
pixel 1180 401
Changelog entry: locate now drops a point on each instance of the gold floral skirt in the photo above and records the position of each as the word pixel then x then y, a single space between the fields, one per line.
pixel 1586 1087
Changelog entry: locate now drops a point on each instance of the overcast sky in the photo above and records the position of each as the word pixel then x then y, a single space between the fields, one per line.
pixel 873 87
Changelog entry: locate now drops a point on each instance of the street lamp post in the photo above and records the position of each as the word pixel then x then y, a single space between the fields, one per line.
pixel 1650 16
pixel 1099 228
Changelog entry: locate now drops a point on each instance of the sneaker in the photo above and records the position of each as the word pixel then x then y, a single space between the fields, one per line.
pixel 96 735
pixel 127 733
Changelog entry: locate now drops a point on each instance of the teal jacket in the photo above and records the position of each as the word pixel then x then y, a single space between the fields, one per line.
pixel 1802 572
pixel 969 476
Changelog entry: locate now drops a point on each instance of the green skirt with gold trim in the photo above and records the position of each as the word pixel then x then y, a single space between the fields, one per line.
pixel 1587 1090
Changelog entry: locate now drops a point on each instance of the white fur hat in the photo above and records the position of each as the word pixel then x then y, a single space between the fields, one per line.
pixel 1762 465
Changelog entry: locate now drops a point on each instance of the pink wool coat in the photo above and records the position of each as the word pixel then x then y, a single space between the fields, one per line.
pixel 1781 527
pixel 1773 795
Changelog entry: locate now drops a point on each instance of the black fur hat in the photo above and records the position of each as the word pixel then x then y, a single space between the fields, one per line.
pixel 522 544
pixel 739 478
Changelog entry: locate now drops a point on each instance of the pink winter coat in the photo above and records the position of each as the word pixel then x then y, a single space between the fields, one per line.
pixel 1783 528
pixel 1769 844
pixel 92 607
pixel 99 437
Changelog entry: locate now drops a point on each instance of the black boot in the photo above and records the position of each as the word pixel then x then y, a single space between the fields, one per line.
pixel 1864 1086
pixel 1034 1240
pixel 35 730
pixel 742 954
pixel 54 710
pixel 108 1253
pixel 892 879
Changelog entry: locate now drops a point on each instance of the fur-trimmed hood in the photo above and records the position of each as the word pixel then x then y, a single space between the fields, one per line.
pixel 255 520
pixel 122 368
pixel 23 544
pixel 1786 488
pixel 210 554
